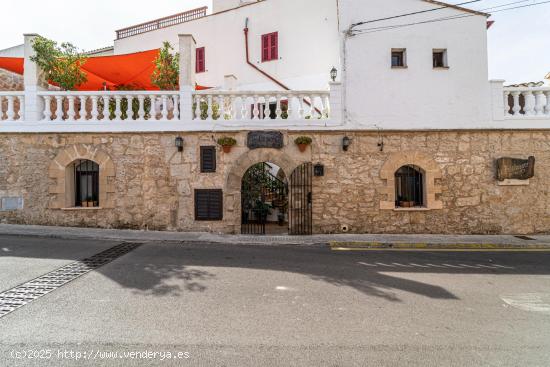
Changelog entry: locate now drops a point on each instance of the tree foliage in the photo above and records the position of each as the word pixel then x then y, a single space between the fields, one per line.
pixel 61 64
pixel 167 68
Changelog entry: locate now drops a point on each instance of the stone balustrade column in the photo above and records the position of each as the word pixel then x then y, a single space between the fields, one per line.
pixel 499 100
pixel 336 102
pixel 34 81
pixel 187 80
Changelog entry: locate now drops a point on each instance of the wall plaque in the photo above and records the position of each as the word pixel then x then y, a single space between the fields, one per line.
pixel 515 169
pixel 11 203
pixel 265 139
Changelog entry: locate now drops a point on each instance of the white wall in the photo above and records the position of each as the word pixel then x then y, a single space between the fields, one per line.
pixel 308 43
pixel 222 5
pixel 311 43
pixel 15 51
pixel 418 96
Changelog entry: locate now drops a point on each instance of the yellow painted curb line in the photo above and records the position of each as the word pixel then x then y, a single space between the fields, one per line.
pixel 365 246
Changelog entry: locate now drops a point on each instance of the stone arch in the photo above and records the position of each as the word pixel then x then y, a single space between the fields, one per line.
pixel 236 172
pixel 60 187
pixel 431 171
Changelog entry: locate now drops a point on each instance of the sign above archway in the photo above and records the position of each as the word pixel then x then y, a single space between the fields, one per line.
pixel 265 139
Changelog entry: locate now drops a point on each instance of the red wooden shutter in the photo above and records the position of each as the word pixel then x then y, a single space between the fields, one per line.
pixel 200 63
pixel 265 47
pixel 274 46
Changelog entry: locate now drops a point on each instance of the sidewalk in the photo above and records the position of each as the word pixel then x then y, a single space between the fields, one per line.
pixel 336 240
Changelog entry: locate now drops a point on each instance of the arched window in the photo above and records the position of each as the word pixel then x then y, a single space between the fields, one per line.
pixel 409 187
pixel 86 183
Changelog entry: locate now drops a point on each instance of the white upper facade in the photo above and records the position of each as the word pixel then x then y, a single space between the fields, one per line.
pixel 372 90
pixel 313 38
pixel 308 43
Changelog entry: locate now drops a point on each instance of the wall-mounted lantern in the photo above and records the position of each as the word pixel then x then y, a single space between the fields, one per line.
pixel 346 142
pixel 179 143
pixel 333 74
pixel 318 170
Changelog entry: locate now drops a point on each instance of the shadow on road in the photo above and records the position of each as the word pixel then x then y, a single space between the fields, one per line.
pixel 173 269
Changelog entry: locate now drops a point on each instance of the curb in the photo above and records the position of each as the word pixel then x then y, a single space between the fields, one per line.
pixel 386 246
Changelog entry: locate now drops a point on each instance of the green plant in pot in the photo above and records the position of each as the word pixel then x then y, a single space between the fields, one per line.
pixel 405 201
pixel 262 210
pixel 302 142
pixel 227 143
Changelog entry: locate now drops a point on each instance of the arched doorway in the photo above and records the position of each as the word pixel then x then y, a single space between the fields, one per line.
pixel 264 200
pixel 273 204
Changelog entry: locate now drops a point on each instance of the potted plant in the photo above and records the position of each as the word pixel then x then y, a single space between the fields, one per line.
pixel 227 143
pixel 302 142
pixel 262 210
pixel 282 213
pixel 88 203
pixel 406 202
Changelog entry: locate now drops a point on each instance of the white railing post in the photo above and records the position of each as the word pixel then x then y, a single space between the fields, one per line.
pixel 499 99
pixel 187 46
pixel 336 103
pixel 34 82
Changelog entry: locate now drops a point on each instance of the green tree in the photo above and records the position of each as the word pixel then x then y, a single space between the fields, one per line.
pixel 60 64
pixel 167 68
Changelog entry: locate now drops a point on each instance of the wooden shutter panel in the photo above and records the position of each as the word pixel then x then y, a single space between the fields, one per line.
pixel 208 204
pixel 274 46
pixel 208 159
pixel 265 47
pixel 201 60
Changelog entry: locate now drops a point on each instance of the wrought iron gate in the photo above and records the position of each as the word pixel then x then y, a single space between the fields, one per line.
pixel 300 212
pixel 260 193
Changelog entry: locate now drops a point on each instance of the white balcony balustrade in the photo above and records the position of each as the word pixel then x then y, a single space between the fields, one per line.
pixel 527 102
pixel 105 106
pixel 12 105
pixel 261 105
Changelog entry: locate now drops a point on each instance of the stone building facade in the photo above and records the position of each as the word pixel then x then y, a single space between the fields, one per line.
pixel 145 183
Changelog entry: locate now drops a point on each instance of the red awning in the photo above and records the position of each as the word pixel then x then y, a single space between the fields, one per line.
pixel 131 70
pixel 13 64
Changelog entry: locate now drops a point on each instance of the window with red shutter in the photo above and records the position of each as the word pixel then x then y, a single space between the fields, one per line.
pixel 270 46
pixel 201 60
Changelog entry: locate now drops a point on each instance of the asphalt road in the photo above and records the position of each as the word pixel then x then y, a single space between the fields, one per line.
pixel 230 305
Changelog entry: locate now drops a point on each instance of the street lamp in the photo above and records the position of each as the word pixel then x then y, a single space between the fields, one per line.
pixel 346 142
pixel 179 143
pixel 333 74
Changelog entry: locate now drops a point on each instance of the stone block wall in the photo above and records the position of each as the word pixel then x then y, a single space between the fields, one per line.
pixel 10 81
pixel 152 186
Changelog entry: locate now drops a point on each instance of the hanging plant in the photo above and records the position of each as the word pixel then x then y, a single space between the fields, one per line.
pixel 302 142
pixel 227 143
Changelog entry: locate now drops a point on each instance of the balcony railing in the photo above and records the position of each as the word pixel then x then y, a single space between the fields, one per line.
pixel 526 102
pixel 12 105
pixel 110 106
pixel 161 23
pixel 278 105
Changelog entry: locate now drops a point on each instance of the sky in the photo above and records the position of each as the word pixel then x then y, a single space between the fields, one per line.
pixel 519 41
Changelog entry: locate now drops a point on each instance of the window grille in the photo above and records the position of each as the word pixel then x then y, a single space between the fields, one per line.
pixel 208 205
pixel 208 159
pixel 409 187
pixel 86 183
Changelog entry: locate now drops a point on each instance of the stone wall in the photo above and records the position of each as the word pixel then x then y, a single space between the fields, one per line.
pixel 10 81
pixel 152 186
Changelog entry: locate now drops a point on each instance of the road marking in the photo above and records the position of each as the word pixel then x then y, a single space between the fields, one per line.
pixel 451 247
pixel 19 296
pixel 532 302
